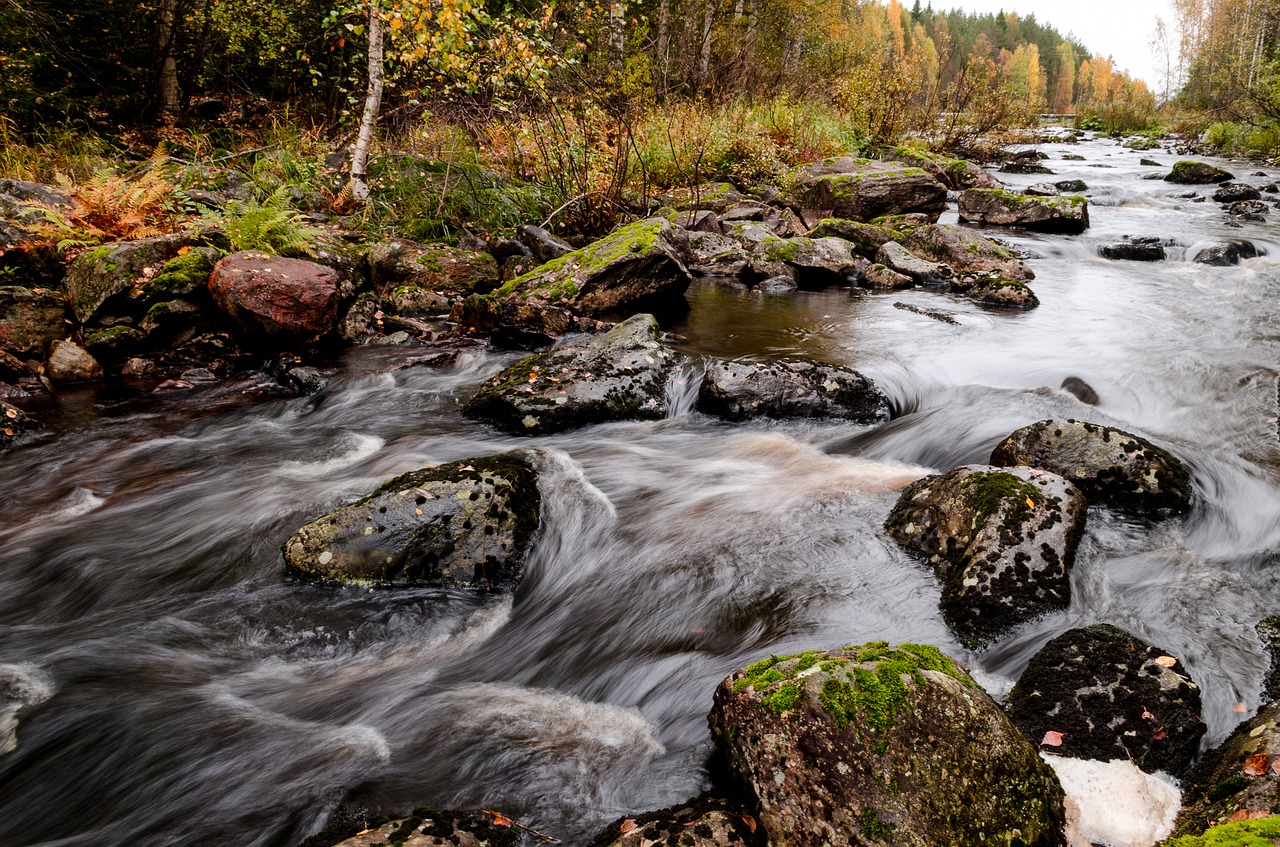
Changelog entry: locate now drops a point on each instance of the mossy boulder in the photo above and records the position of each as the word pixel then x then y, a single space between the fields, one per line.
pixel 999 293
pixel 873 745
pixel 966 251
pixel 709 254
pixel 466 523
pixel 811 262
pixel 702 822
pixel 103 273
pixel 31 319
pixel 185 275
pixel 956 174
pixel 994 206
pixel 865 238
pixel 1197 173
pixel 14 424
pixel 1260 832
pixel 1001 540
pixel 636 263
pixel 921 271
pixel 621 374
pixel 542 244
pixel 790 388
pixel 1237 778
pixel 424 827
pixel 868 190
pixel 884 277
pixel 1024 166
pixel 448 271
pixel 1100 693
pixel 1110 466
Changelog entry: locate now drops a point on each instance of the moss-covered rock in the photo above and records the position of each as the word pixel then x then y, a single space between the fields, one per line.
pixel 811 262
pixel 956 174
pixel 1024 166
pixel 881 276
pixel 1238 778
pixel 467 523
pixel 448 271
pixel 184 275
pixel 1069 214
pixel 865 238
pixel 709 254
pixel 113 341
pixel 1109 695
pixel 1196 173
pixel 999 293
pixel 1268 630
pixel 424 827
pixel 1001 540
pixel 869 190
pixel 14 425
pixel 636 263
pixel 921 271
pixel 1109 465
pixel 790 388
pixel 966 251
pixel 702 822
pixel 873 745
pixel 105 272
pixel 31 319
pixel 1261 832
pixel 621 374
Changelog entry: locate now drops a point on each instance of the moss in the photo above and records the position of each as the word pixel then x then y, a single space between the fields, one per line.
pixel 870 826
pixel 783 699
pixel 1256 833
pixel 992 489
pixel 559 279
pixel 181 275
pixel 1227 788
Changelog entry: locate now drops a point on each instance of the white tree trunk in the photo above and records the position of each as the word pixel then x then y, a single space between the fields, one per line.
pixel 167 84
pixel 704 55
pixel 664 44
pixel 372 102
pixel 617 35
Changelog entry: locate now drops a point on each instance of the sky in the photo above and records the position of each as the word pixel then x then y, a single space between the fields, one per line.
pixel 1121 29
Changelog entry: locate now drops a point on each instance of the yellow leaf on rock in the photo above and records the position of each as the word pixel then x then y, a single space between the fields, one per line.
pixel 1166 661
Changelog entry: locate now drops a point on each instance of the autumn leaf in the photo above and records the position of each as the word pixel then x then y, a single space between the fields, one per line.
pixel 1053 739
pixel 500 820
pixel 1031 504
pixel 749 822
pixel 627 825
pixel 10 413
pixel 1147 716
pixel 1257 765
pixel 1240 708
pixel 1159 735
pixel 1165 661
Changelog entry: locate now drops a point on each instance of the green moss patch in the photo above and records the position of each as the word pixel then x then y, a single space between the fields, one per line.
pixel 1263 832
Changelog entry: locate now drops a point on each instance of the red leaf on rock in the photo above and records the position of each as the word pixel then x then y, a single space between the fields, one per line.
pixel 1159 735
pixel 1240 708
pixel 1147 716
pixel 627 825
pixel 1053 739
pixel 1257 765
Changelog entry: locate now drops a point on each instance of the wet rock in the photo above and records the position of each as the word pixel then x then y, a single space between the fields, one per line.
pixel 1042 189
pixel 702 822
pixel 271 297
pixel 621 374
pixel 866 239
pixel 708 254
pixel 873 745
pixel 937 314
pixel 1110 696
pixel 1249 210
pixel 446 271
pixel 14 424
pixel 812 262
pixel 1073 186
pixel 790 388
pixel 966 251
pixel 636 263
pixel 956 174
pixel 1072 157
pixel 112 270
pixel 31 319
pixel 1000 293
pixel 517 325
pixel 1068 214
pixel 69 362
pixel 861 190
pixel 504 249
pixel 1225 254
pixel 1023 167
pixel 1109 465
pixel 777 285
pixel 543 245
pixel 466 523
pixel 425 827
pixel 1196 173
pixel 1235 780
pixel 880 276
pixel 1269 632
pixel 1001 540
pixel 137 368
pixel 21 686
pixel 1144 249
pixel 901 260
pixel 1141 144
pixel 1233 192
pixel 1148 163
pixel 1081 389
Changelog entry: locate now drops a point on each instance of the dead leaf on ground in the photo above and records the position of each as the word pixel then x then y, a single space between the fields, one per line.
pixel 1165 661
pixel 1159 735
pixel 1257 764
pixel 1053 739
pixel 627 825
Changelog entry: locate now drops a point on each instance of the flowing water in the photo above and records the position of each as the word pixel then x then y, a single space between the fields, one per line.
pixel 186 692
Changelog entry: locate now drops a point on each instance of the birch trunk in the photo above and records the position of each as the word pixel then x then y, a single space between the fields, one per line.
pixel 167 83
pixel 372 102
pixel 617 35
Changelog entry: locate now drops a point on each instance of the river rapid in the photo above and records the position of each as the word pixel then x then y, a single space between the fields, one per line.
pixel 188 692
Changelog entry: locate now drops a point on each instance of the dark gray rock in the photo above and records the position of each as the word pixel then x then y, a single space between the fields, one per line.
pixel 777 285
pixel 1024 167
pixel 1148 163
pixel 543 245
pixel 1236 780
pixel 1109 465
pixel 1072 186
pixel 1145 249
pixel 1225 254
pixel 1249 210
pixel 1111 696
pixel 708 254
pixel 880 276
pixel 14 424
pixel 1196 173
pixel 1042 189
pixel 1233 192
pixel 1069 214
pixel 1000 293
pixel 790 388
pixel 1001 540
pixel 1081 389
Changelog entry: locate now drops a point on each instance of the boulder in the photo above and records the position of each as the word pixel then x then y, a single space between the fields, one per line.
pixel 467 523
pixel 1042 189
pixel 424 827
pixel 811 262
pixel 31 319
pixel 635 263
pixel 1100 693
pixel 1225 254
pixel 1075 186
pixel 901 260
pixel 881 276
pixel 105 272
pixel 1069 214
pixel 185 275
pixel 751 210
pixel 776 285
pixel 447 271
pixel 69 362
pixel 543 245
pixel 1108 465
pixel 708 254
pixel 866 239
pixel 860 190
pixel 1144 249
pixel 873 745
pixel 1240 778
pixel 1024 167
pixel 999 293
pixel 14 424
pixel 1001 540
pixel 1196 173
pixel 621 374
pixel 276 298
pixel 1249 210
pixel 956 174
pixel 966 251
pixel 698 220
pixel 1148 163
pixel 1233 192
pixel 790 388
pixel 34 192
pixel 713 196
pixel 703 822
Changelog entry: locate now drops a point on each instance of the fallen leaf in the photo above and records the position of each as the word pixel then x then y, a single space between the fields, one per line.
pixel 1275 765
pixel 1240 708
pixel 1053 739
pixel 1165 661
pixel 749 822
pixel 1031 504
pixel 1257 764
pixel 627 825
pixel 1147 716
pixel 417 512
pixel 1238 815
pixel 1159 735
pixel 10 413
pixel 500 820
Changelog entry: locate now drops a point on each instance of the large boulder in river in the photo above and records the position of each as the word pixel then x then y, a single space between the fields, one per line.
pixel 1234 192
pixel 874 745
pixel 1239 778
pixel 1069 214
pixel 276 298
pixel 860 190
pixel 1226 253
pixel 966 251
pixel 467 523
pixel 1197 173
pixel 104 273
pixel 999 293
pixel 31 319
pixel 636 263
pixel 1001 540
pixel 811 262
pixel 790 388
pixel 1109 465
pixel 621 374
pixel 956 174
pixel 1100 693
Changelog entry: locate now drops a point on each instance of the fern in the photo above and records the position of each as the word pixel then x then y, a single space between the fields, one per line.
pixel 270 226
pixel 109 207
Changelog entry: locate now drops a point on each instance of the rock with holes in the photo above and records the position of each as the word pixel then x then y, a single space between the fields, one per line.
pixel 873 745
pixel 1238 779
pixel 621 374
pixel 425 827
pixel 467 523
pixel 1068 214
pixel 790 388
pixel 1109 465
pixel 1100 693
pixel 702 822
pixel 1001 540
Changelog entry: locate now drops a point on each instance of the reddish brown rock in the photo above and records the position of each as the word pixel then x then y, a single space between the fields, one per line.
pixel 70 362
pixel 286 299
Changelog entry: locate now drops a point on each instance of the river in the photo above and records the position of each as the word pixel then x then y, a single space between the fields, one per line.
pixel 193 694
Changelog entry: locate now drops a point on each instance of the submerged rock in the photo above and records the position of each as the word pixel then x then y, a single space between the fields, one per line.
pixel 467 523
pixel 861 190
pixel 1001 540
pixel 795 388
pixel 1069 214
pixel 1228 253
pixel 621 374
pixel 1100 693
pixel 1109 465
pixel 271 297
pixel 999 293
pixel 873 745
pixel 1196 173
pixel 966 251
pixel 1144 249
pixel 1237 778
pixel 901 260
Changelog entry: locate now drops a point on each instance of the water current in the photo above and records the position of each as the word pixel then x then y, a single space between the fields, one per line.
pixel 190 693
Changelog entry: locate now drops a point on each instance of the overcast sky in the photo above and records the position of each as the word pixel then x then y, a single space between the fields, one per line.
pixel 1121 29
